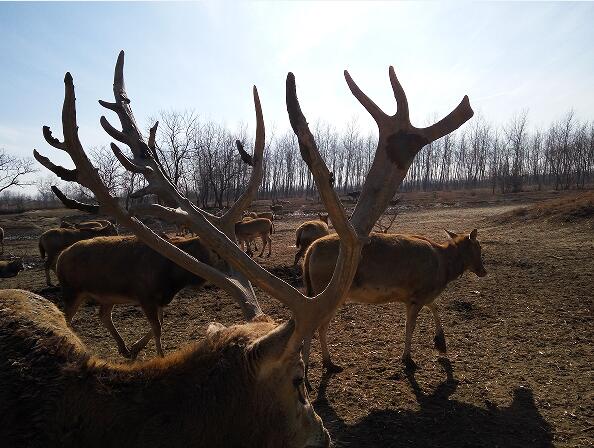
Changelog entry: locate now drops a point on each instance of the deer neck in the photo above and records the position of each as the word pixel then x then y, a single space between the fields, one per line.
pixel 453 261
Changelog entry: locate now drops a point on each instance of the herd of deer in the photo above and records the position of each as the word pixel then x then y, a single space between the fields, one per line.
pixel 250 377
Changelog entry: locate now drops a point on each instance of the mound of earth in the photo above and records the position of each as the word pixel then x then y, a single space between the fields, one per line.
pixel 569 209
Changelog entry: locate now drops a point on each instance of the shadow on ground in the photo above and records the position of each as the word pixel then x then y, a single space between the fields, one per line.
pixel 441 422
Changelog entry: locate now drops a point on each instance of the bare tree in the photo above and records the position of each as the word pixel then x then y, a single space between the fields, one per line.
pixel 14 170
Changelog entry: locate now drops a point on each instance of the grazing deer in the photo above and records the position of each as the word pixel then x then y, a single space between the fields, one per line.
pixel 277 384
pixel 396 268
pixel 2 239
pixel 85 224
pixel 246 231
pixel 308 232
pixel 54 241
pixel 92 269
pixel 11 268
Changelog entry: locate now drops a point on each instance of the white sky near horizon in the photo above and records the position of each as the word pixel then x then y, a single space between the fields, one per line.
pixel 507 57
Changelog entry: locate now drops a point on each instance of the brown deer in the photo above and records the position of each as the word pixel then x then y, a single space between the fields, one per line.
pixel 248 230
pixel 228 390
pixel 85 224
pixel 278 383
pixel 308 232
pixel 92 269
pixel 54 241
pixel 396 268
pixel 267 215
pixel 11 268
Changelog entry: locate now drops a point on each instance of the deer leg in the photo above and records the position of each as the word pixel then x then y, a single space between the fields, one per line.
pixel 47 265
pixel 412 311
pixel 298 256
pixel 141 343
pixel 152 314
pixel 269 245
pixel 305 349
pixel 71 304
pixel 326 361
pixel 439 339
pixel 263 245
pixel 105 316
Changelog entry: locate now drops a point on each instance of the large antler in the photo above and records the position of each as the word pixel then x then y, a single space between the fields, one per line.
pixel 398 144
pixel 396 135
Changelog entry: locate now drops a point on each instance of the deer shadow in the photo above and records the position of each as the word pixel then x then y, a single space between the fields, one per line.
pixel 441 422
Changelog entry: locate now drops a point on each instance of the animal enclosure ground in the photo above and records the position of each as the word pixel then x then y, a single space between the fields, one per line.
pixel 519 369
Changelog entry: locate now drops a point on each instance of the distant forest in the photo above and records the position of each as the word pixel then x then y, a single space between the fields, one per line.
pixel 202 161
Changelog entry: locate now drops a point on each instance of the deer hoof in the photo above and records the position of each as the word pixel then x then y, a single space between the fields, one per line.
pixel 440 342
pixel 126 353
pixel 332 368
pixel 408 362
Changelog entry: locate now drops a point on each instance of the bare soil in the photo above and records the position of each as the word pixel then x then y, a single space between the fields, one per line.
pixel 519 369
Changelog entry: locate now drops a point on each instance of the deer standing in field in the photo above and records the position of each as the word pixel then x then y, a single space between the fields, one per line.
pixel 92 269
pixel 250 373
pixel 267 215
pixel 308 232
pixel 54 241
pixel 248 230
pixel 396 268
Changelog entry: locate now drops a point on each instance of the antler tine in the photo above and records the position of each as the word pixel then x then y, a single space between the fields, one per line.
pixel 47 134
pixel 398 144
pixel 152 141
pixel 227 221
pixel 71 203
pixel 401 101
pixel 87 175
pixel 373 109
pixel 350 243
pixel 60 171
pixel 456 118
pixel 127 163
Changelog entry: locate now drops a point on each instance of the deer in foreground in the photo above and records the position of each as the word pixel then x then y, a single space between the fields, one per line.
pixel 231 389
pixel 308 232
pixel 54 241
pixel 248 230
pixel 93 269
pixel 275 381
pixel 396 268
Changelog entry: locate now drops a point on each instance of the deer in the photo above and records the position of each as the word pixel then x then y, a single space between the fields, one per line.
pixel 308 232
pixel 85 224
pixel 91 269
pixel 248 230
pixel 11 268
pixel 272 379
pixel 52 242
pixel 267 215
pixel 410 269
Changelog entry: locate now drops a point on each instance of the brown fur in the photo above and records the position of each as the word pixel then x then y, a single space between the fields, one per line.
pixel 54 241
pixel 230 390
pixel 267 215
pixel 396 268
pixel 85 224
pixel 307 233
pixel 11 268
pixel 246 231
pixel 121 269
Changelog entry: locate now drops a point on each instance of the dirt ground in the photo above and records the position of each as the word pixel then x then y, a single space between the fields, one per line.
pixel 519 369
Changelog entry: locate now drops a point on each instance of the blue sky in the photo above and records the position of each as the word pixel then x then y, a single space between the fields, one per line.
pixel 206 56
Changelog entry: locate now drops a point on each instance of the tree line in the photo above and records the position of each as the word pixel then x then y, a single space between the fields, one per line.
pixel 201 159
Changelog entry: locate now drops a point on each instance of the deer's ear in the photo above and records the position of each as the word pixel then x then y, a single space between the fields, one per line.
pixel 270 350
pixel 452 235
pixel 472 235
